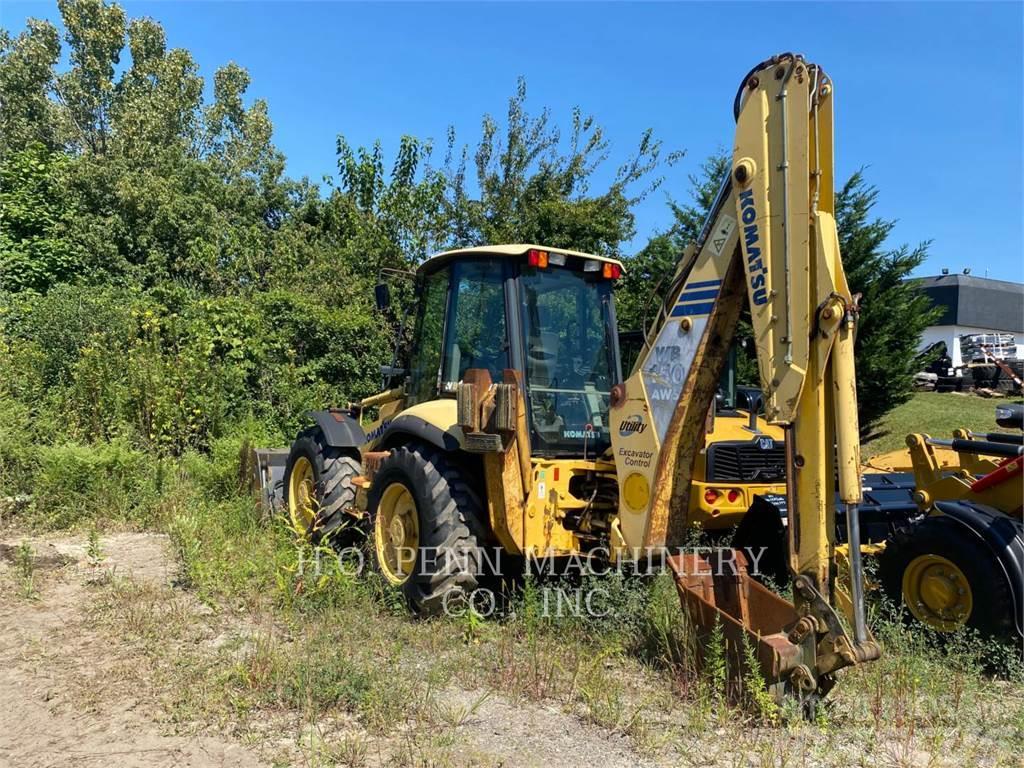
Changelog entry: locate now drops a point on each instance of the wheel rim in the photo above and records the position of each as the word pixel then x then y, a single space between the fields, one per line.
pixel 396 532
pixel 937 592
pixel 302 496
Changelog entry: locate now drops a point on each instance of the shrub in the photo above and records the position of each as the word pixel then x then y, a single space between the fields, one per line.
pixel 109 481
pixel 18 457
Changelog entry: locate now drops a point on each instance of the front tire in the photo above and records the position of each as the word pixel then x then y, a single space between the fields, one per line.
pixel 318 490
pixel 947 578
pixel 427 528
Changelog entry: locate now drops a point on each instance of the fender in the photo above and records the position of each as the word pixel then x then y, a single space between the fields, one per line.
pixel 340 430
pixel 1004 537
pixel 434 422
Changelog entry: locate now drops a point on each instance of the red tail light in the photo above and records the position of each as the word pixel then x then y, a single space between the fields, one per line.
pixel 732 495
pixel 711 495
pixel 537 258
pixel 611 271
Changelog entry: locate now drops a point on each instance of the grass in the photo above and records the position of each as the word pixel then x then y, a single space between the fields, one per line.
pixel 937 414
pixel 24 564
pixel 330 660
pixel 274 642
pixel 341 678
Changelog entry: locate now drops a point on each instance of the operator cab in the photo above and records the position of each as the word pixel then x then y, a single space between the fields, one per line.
pixel 547 313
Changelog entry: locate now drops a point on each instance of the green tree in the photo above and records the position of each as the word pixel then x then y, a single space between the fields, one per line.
pixel 160 277
pixel 26 78
pixel 34 250
pixel 531 186
pixel 95 35
pixel 645 282
pixel 704 185
pixel 893 311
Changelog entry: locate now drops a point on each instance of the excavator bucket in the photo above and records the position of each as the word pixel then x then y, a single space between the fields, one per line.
pixel 718 590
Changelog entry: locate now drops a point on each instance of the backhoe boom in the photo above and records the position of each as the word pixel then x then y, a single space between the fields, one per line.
pixel 770 241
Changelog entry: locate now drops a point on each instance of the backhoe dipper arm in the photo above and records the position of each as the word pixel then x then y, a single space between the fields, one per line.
pixel 771 236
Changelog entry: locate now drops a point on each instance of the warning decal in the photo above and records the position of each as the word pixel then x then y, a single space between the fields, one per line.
pixel 721 234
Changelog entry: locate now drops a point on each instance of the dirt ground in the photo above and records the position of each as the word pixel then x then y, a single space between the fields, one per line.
pixel 65 696
pixel 71 693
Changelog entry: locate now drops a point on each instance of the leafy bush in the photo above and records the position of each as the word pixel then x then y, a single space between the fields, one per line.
pixel 109 481
pixel 18 458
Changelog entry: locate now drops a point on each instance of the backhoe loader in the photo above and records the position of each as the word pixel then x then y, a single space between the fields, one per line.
pixel 510 425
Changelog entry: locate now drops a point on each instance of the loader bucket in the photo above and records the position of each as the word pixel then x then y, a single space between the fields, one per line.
pixel 262 473
pixel 718 589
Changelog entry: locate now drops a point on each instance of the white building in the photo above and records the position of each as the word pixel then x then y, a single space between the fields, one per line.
pixel 973 305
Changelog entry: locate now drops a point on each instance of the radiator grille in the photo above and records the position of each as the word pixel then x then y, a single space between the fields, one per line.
pixel 745 461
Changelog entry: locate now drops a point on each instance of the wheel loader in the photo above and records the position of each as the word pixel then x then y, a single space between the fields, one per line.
pixel 954 556
pixel 509 427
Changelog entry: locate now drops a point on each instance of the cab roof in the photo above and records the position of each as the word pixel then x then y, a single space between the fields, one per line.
pixel 498 251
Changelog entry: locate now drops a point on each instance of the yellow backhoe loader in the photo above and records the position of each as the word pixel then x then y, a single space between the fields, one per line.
pixel 509 425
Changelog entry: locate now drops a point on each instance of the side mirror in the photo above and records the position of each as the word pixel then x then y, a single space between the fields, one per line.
pixel 390 371
pixel 382 295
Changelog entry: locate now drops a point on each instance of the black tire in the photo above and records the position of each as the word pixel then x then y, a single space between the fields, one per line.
pixel 450 514
pixel 992 602
pixel 333 472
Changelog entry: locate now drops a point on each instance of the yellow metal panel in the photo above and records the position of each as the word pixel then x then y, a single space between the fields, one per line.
pixel 635 451
pixel 673 386
pixel 771 201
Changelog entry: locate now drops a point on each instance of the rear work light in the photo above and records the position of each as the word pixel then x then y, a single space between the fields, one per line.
pixel 537 258
pixel 611 271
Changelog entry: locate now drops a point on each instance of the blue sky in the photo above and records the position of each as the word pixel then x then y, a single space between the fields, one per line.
pixel 928 95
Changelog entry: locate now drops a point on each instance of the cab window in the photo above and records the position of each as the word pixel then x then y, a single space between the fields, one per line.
pixel 477 335
pixel 425 359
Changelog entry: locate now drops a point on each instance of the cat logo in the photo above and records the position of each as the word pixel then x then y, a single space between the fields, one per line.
pixel 765 443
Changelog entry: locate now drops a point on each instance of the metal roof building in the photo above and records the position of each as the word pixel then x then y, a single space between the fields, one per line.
pixel 978 302
pixel 973 305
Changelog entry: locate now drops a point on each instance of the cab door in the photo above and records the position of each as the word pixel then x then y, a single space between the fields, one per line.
pixel 462 324
pixel 476 331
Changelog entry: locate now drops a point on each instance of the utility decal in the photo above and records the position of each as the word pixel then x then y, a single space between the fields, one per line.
pixel 632 425
pixel 756 270
pixel 636 458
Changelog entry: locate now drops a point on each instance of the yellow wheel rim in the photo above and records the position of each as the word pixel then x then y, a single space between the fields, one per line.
pixel 302 496
pixel 937 592
pixel 396 533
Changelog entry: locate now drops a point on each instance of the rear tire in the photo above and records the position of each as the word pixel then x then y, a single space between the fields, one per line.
pixel 431 553
pixel 965 579
pixel 318 490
